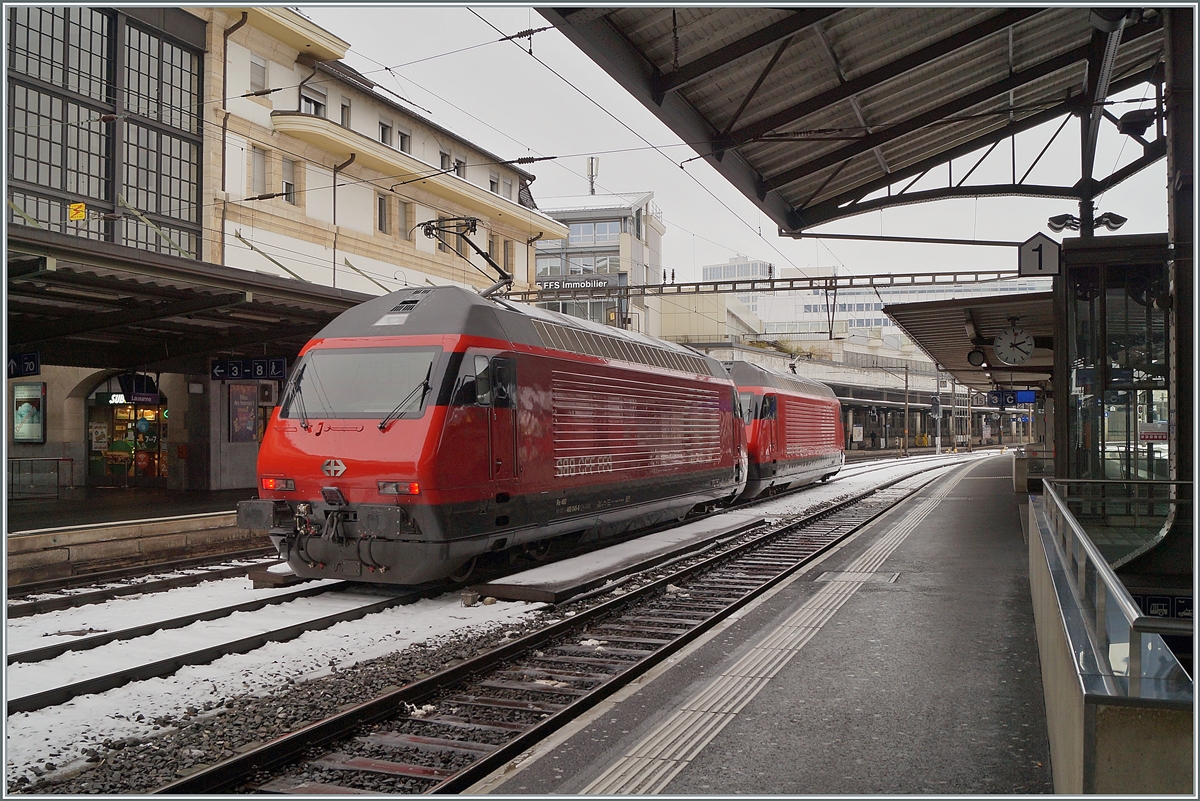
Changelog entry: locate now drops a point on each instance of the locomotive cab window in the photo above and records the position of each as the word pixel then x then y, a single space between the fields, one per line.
pixel 768 409
pixel 360 383
pixel 749 406
pixel 486 382
pixel 483 381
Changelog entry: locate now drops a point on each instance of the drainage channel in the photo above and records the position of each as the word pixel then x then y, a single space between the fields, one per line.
pixel 445 732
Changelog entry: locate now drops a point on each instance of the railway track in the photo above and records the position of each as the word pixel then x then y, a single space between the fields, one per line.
pixel 60 693
pixel 445 732
pixel 98 588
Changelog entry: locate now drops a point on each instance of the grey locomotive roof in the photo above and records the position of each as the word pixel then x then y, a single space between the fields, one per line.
pixel 747 374
pixel 435 311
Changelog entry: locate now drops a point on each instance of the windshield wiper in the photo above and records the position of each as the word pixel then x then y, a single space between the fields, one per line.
pixel 423 387
pixel 298 397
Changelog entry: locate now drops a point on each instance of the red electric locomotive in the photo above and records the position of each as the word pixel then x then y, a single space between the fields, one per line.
pixel 424 428
pixel 794 428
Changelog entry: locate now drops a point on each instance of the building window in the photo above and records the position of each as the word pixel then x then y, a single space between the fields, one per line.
pixel 288 187
pixel 637 224
pixel 63 46
pixel 311 102
pixel 608 232
pixel 582 234
pixel 608 264
pixel 509 255
pixel 507 188
pixel 385 133
pixel 162 80
pixel 491 250
pixel 160 173
pixel 549 265
pixel 258 73
pixel 404 215
pixel 445 161
pixel 345 113
pixel 258 171
pixel 403 141
pixel 381 213
pixel 494 183
pixel 460 168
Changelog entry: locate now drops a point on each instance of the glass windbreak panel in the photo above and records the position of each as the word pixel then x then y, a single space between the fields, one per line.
pixel 1118 372
pixel 360 383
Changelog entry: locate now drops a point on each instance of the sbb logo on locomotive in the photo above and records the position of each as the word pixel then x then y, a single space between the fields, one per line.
pixel 582 465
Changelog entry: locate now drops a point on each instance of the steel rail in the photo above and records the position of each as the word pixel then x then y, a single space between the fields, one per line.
pixel 70 582
pixel 87 643
pixel 229 774
pixel 168 666
pixel 27 608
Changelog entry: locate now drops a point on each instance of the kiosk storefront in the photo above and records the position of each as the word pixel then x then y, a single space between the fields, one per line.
pixel 127 421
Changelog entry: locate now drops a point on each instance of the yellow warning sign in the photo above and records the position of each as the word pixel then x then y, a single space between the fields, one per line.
pixel 77 211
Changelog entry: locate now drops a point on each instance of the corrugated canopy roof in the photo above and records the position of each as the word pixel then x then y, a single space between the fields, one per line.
pixel 947 330
pixel 810 111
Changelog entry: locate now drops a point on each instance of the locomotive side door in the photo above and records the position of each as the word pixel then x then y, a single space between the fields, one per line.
pixel 768 427
pixel 496 388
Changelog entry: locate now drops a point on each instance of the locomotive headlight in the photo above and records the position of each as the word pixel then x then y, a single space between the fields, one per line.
pixel 398 487
pixel 279 484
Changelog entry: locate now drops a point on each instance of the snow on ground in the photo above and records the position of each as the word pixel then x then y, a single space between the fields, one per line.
pixel 26 678
pixel 88 720
pixel 52 628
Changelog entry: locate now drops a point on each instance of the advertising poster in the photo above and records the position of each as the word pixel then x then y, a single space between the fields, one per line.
pixel 243 413
pixel 99 436
pixel 29 412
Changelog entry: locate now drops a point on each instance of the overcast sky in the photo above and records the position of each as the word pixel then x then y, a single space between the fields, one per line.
pixel 495 95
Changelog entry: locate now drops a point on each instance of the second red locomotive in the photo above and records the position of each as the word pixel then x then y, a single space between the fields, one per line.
pixel 794 429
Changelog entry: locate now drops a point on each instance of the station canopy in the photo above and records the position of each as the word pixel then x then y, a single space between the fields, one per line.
pixel 84 303
pixel 816 114
pixel 948 330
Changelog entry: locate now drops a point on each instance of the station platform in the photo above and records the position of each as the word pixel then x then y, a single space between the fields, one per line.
pixel 117 504
pixel 904 661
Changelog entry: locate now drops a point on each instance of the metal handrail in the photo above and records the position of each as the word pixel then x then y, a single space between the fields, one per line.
pixel 59 460
pixel 1136 622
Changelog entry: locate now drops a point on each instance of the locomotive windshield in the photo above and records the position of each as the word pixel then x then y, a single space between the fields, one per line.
pixel 359 382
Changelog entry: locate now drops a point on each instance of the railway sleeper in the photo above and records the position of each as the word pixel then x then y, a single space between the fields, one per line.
pixel 618 665
pixel 416 742
pixel 369 765
pixel 490 702
pixel 618 636
pixel 586 650
pixel 662 622
pixel 285 786
pixel 532 687
pixel 555 675
pixel 462 724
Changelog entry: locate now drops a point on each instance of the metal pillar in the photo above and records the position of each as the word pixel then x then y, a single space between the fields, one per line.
pixel 1180 102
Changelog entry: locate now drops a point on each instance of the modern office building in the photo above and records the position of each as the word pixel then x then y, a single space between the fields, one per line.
pixel 856 314
pixel 614 240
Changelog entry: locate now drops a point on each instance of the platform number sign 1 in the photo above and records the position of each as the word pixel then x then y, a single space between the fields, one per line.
pixel 1038 255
